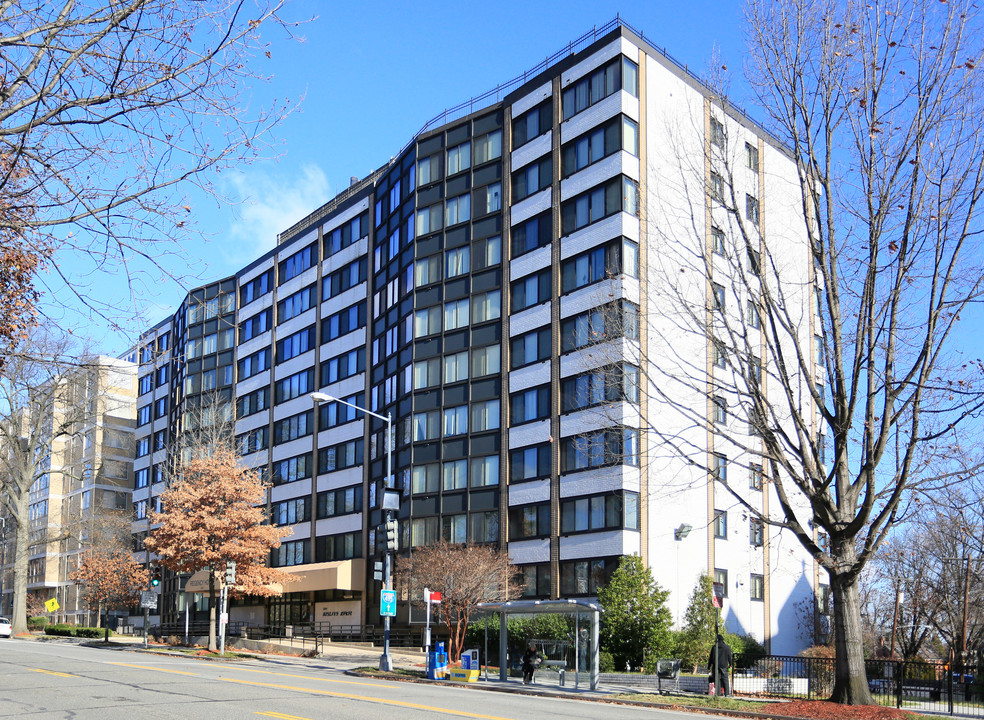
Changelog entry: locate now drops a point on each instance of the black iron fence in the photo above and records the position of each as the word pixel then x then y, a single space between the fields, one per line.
pixel 916 685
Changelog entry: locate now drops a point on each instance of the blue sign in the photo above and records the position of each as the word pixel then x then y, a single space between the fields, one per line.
pixel 387 603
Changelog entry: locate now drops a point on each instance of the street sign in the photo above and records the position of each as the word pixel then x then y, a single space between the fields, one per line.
pixel 377 570
pixel 51 605
pixel 148 599
pixel 718 599
pixel 435 597
pixel 387 603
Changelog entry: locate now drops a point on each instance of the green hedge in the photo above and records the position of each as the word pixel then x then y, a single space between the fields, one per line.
pixel 37 622
pixel 65 630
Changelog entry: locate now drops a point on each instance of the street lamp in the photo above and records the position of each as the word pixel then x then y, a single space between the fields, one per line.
pixel 385 661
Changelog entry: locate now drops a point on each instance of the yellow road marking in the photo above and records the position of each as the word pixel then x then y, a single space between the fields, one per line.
pixel 308 677
pixel 282 716
pixel 52 672
pixel 398 703
pixel 148 667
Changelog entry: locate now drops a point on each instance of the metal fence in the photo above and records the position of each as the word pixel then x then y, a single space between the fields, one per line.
pixel 912 685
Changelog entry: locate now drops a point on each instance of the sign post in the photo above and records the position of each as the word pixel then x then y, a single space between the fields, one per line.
pixel 387 603
pixel 429 597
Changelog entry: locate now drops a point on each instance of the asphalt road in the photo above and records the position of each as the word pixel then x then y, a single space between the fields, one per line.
pixel 39 681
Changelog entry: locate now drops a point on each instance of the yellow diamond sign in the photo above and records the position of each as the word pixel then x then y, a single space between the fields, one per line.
pixel 51 605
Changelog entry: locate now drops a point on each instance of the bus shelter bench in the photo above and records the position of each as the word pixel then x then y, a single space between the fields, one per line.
pixel 559 666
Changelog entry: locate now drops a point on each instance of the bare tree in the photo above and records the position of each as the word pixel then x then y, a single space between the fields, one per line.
pixel 106 109
pixel 802 292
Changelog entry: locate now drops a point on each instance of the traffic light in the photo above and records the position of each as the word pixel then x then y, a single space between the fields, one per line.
pixel 155 575
pixel 390 529
pixel 230 573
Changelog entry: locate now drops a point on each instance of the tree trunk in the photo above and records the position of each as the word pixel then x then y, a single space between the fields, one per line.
pixel 99 614
pixel 18 618
pixel 212 644
pixel 850 680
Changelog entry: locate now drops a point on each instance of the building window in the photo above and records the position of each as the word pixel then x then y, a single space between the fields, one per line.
pixel 454 475
pixel 293 386
pixel 458 210
pixel 344 501
pixel 717 296
pixel 298 263
pixel 484 471
pixel 529 463
pixel 752 209
pixel 719 468
pixel 531 234
pixel 619 74
pixel 295 344
pixel 143 447
pixel 756 532
pixel 292 469
pixel 530 348
pixel 341 456
pixel 425 478
pixel 821 355
pixel 824 599
pixel 428 270
pixel 458 261
pixel 754 321
pixel 333 414
pixel 350 232
pixel 717 132
pixel 423 531
pixel 145 384
pixel 755 476
pixel 160 408
pixel 456 314
pixel 427 321
pixel 289 512
pixel 426 425
pixel 490 200
pixel 530 290
pixel 532 178
pixel 141 478
pixel 754 262
pixel 485 416
pixel 529 521
pixel 486 306
pixel 619 133
pixel 253 441
pixel 296 552
pixel 717 240
pixel 719 355
pixel 532 124
pixel 530 405
pixel 721 524
pixel 586 577
pixel 751 157
pixel 620 194
pixel 488 147
pixel 611 511
pixel 426 373
pixel 721 577
pixel 616 446
pixel 339 281
pixel 613 383
pixel 343 366
pixel 487 252
pixel 459 158
pixel 430 219
pixel 600 263
pixel 716 188
pixel 614 320
pixel 485 361
pixel 255 363
pixel 160 440
pixel 455 420
pixel 343 322
pixel 456 367
pixel 455 528
pixel 719 410
pixel 757 589
pixel 256 288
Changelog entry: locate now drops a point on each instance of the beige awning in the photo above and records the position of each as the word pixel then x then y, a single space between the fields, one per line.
pixel 337 575
pixel 198 583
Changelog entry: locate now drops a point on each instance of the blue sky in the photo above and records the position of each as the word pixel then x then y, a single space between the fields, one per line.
pixel 368 75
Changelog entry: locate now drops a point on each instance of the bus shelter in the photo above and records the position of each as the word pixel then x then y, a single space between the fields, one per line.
pixel 577 608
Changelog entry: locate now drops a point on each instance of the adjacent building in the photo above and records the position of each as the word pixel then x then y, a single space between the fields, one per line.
pixel 499 289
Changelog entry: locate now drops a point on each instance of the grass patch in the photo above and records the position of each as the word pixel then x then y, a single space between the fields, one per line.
pixel 397 672
pixel 702 701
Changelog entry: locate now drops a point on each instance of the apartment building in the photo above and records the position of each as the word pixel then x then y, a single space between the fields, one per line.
pixel 501 289
pixel 84 497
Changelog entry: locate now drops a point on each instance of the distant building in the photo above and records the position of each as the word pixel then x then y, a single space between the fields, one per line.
pixel 459 289
pixel 84 498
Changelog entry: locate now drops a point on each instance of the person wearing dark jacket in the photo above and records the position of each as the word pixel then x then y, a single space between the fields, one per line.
pixel 721 654
pixel 531 661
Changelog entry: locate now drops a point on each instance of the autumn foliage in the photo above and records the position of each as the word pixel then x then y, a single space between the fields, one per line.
pixel 109 578
pixel 466 575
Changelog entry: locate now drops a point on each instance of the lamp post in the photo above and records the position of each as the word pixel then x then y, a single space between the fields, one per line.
pixel 385 661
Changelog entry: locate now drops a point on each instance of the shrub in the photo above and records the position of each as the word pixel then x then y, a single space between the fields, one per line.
pixel 746 648
pixel 606 663
pixel 821 673
pixel 60 630
pixel 91 632
pixel 36 622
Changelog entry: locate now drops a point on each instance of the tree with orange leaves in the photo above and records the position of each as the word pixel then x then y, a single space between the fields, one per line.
pixel 109 578
pixel 212 514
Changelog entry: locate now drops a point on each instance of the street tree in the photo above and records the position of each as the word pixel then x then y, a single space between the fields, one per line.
pixel 108 111
pixel 213 514
pixel 465 575
pixel 109 578
pixel 635 625
pixel 699 623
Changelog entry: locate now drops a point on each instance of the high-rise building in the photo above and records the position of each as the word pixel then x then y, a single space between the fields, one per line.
pixel 499 290
pixel 82 499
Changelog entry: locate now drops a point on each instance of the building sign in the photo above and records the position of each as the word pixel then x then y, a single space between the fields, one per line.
pixel 347 612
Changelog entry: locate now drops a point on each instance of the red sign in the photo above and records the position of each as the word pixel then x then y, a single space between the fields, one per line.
pixel 435 597
pixel 718 595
